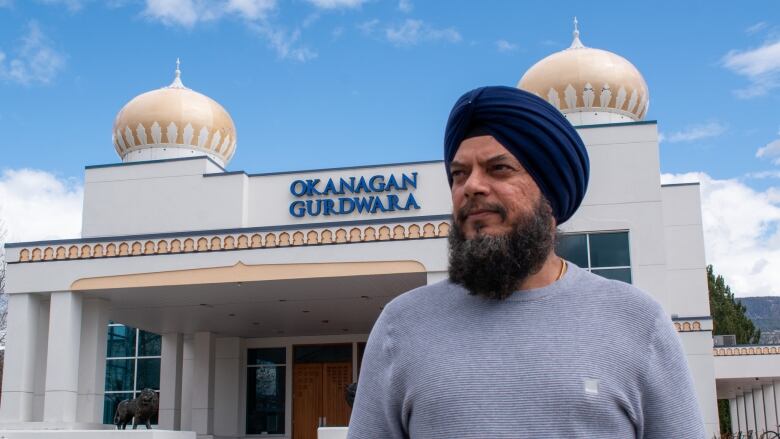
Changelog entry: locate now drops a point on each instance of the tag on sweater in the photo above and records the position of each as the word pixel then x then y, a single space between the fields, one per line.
pixel 591 386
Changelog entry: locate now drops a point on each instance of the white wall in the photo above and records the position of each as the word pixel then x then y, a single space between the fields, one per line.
pixel 175 196
pixel 684 243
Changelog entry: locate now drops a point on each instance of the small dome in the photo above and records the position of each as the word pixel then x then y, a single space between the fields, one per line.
pixel 589 85
pixel 173 122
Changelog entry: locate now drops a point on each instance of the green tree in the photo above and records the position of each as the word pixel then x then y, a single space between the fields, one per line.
pixel 728 318
pixel 728 314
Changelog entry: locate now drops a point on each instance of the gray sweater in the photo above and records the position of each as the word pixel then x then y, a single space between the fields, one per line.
pixel 584 357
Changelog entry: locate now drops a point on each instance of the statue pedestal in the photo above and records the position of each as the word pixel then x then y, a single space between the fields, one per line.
pixel 332 433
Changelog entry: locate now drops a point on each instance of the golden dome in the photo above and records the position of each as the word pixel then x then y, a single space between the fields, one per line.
pixel 171 122
pixel 586 83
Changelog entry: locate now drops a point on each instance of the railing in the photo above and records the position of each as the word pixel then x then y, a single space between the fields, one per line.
pixel 749 435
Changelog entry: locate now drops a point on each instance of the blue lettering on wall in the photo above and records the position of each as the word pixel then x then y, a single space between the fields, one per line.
pixel 376 194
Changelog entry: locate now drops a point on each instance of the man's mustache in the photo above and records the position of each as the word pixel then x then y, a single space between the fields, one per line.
pixel 472 206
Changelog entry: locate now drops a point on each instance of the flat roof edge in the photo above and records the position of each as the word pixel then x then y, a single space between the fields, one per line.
pixel 261 174
pixel 618 124
pixel 146 162
pixel 230 231
pixel 695 183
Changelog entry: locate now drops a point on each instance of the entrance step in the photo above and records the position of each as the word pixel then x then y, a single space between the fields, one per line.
pixel 332 433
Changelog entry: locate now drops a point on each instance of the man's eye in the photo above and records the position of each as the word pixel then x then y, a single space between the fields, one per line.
pixel 501 168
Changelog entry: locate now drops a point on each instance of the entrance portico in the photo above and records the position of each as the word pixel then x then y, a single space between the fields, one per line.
pixel 749 378
pixel 213 307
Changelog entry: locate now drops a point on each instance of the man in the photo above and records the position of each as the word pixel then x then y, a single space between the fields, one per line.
pixel 519 343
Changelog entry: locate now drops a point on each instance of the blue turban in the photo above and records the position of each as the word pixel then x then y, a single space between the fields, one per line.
pixel 534 131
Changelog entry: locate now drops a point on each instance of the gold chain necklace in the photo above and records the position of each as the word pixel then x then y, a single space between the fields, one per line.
pixel 563 269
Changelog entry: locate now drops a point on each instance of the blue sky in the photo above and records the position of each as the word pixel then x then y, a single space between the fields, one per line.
pixel 324 83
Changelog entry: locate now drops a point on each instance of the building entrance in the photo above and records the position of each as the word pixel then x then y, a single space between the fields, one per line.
pixel 321 373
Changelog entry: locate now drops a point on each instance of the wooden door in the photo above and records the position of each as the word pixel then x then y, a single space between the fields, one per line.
pixel 307 399
pixel 318 393
pixel 336 378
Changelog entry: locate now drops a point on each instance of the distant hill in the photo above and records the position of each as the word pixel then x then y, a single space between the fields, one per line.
pixel 765 313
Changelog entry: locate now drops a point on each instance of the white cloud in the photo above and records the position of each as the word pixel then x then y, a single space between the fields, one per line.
pixel 405 6
pixel 505 46
pixel 182 12
pixel 763 174
pixel 37 205
pixel 186 13
pixel 251 9
pixel 760 66
pixel 72 5
pixel 36 61
pixel 368 27
pixel 694 132
pixel 337 4
pixel 770 151
pixel 758 27
pixel 741 232
pixel 285 43
pixel 412 32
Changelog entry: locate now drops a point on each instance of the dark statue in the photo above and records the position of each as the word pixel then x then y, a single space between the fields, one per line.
pixel 349 394
pixel 138 410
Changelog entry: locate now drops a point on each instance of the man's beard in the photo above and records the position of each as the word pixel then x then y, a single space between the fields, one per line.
pixel 495 266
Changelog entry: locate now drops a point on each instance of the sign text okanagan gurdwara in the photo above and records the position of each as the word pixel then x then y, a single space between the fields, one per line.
pixel 346 195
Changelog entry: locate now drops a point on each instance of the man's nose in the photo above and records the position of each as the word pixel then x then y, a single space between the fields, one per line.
pixel 476 184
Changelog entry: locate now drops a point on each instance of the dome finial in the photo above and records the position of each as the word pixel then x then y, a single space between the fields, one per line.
pixel 177 80
pixel 576 43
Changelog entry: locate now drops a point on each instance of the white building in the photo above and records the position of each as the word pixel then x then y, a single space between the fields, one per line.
pixel 265 286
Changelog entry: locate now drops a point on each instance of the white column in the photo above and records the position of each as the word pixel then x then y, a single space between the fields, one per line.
pixel 776 386
pixel 40 362
pixel 734 415
pixel 62 364
pixel 770 407
pixel 741 413
pixel 187 369
pixel 758 405
pixel 750 412
pixel 170 381
pixel 92 361
pixel 203 384
pixel 20 358
pixel 227 388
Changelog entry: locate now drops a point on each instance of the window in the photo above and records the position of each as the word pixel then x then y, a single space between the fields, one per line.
pixel 606 254
pixel 132 364
pixel 265 390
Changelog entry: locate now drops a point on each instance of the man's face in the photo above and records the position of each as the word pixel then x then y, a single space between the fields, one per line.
pixel 491 191
pixel 504 229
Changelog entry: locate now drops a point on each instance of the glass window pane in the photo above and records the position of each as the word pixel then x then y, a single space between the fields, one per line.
pixel 323 353
pixel 110 401
pixel 622 274
pixel 266 356
pixel 148 344
pixel 573 248
pixel 609 250
pixel 265 400
pixel 121 341
pixel 148 374
pixel 119 374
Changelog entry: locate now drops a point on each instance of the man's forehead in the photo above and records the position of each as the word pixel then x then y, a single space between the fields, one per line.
pixel 482 148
